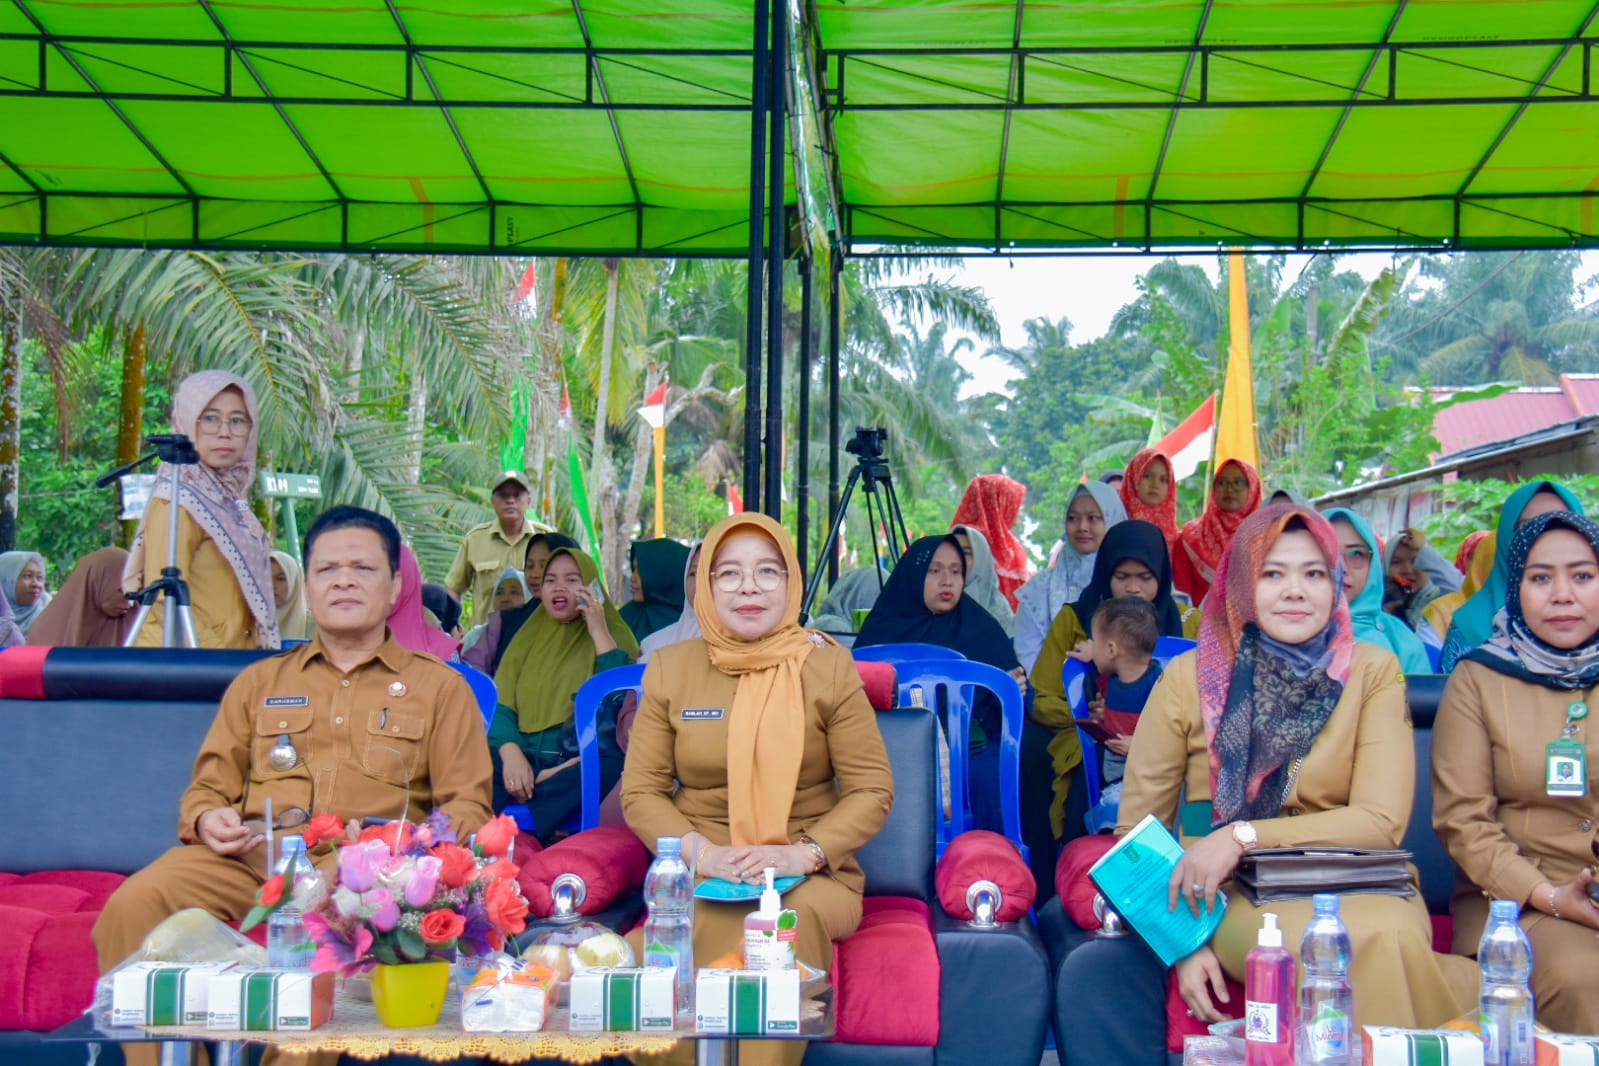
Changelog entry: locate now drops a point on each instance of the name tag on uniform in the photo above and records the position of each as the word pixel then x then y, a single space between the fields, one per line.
pixel 701 714
pixel 288 701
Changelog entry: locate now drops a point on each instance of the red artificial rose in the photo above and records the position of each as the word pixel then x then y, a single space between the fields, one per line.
pixel 459 869
pixel 501 870
pixel 271 891
pixel 506 907
pixel 386 832
pixel 441 927
pixel 495 837
pixel 324 829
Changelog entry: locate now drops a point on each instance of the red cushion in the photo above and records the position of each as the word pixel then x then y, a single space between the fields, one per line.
pixel 46 899
pixel 609 859
pixel 22 672
pixel 48 967
pixel 97 885
pixel 1072 883
pixel 980 855
pixel 880 682
pixel 886 976
pixel 1178 1022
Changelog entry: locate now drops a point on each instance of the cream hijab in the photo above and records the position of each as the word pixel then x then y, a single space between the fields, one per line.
pixel 766 724
pixel 292 616
pixel 218 501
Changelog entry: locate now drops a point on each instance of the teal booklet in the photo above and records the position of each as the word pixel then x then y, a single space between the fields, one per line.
pixel 1133 877
pixel 715 888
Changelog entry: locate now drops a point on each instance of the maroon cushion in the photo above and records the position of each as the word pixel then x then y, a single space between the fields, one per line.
pixel 1178 1021
pixel 609 859
pixel 881 684
pixel 1443 933
pixel 981 855
pixel 1072 882
pixel 22 672
pixel 886 976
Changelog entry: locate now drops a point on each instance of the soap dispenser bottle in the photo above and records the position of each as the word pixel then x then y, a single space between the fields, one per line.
pixel 1269 998
pixel 770 933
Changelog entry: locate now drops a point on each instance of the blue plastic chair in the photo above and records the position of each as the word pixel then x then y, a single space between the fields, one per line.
pixel 1074 678
pixel 899 653
pixel 949 684
pixel 483 689
pixel 585 711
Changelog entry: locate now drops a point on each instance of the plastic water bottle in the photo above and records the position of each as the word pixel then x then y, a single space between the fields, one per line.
pixel 669 927
pixel 1326 1003
pixel 1506 1006
pixel 288 944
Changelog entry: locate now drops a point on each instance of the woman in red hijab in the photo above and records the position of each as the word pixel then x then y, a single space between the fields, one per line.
pixel 1234 496
pixel 1149 492
pixel 991 506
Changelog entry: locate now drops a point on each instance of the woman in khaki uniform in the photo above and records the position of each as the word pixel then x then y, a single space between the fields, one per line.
pixel 222 550
pixel 1516 814
pixel 1286 732
pixel 756 745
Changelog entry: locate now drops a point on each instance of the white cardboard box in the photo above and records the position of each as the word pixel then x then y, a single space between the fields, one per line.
pixel 623 998
pixel 162 993
pixel 747 1002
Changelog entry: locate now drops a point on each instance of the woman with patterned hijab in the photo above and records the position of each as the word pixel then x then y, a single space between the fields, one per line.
pixel 1234 496
pixel 1149 493
pixel 991 505
pixel 222 550
pixel 1513 761
pixel 1280 730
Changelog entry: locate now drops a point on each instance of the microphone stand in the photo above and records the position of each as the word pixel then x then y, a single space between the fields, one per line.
pixel 177 620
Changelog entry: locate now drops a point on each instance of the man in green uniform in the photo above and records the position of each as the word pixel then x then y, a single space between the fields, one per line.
pixel 489 548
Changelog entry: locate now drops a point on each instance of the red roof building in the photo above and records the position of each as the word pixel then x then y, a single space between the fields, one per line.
pixel 1513 414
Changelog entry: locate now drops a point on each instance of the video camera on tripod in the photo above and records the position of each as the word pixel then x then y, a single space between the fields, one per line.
pixel 869 446
pixel 177 621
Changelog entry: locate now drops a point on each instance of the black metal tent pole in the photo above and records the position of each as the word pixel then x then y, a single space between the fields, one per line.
pixel 757 263
pixel 806 350
pixel 776 222
pixel 835 306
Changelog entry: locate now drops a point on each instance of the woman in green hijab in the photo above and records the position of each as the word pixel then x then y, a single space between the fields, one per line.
pixel 656 585
pixel 574 634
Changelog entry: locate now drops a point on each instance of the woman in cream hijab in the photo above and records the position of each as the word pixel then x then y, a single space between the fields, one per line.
pixel 288 592
pixel 782 765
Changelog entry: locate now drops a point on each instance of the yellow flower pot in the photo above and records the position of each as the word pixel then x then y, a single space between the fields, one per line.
pixel 411 995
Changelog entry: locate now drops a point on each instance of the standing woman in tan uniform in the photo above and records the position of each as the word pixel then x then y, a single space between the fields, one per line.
pixel 222 550
pixel 1516 813
pixel 1288 733
pixel 756 745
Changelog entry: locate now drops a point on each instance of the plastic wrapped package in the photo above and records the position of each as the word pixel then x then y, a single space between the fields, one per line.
pixel 508 995
pixel 190 936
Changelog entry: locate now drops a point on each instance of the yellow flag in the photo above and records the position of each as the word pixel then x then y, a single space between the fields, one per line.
pixel 1235 428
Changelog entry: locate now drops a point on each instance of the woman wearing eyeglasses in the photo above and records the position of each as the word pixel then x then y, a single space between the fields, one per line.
pixel 756 745
pixel 222 551
pixel 1363 587
pixel 573 634
pixel 1201 544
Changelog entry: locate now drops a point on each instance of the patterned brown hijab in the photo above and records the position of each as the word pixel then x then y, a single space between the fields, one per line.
pixel 218 501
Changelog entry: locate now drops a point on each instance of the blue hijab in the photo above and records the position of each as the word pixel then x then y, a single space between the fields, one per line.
pixel 1473 621
pixel 1371 623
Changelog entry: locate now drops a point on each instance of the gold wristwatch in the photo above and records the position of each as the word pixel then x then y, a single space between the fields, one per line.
pixel 1244 836
pixel 815 849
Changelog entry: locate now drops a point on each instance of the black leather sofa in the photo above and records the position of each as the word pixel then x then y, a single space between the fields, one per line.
pixel 1110 993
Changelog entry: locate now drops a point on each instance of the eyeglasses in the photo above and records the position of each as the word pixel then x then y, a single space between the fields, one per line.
pixel 767 578
pixel 288 818
pixel 1231 483
pixel 238 425
pixel 1357 555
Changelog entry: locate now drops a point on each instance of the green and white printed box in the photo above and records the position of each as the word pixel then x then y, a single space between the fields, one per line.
pixel 747 1002
pixel 162 993
pixel 624 998
pixel 266 1000
pixel 1388 1046
pixel 1563 1049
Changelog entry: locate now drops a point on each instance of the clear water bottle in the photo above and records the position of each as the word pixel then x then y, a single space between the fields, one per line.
pixel 288 944
pixel 1326 1003
pixel 1506 1007
pixel 669 927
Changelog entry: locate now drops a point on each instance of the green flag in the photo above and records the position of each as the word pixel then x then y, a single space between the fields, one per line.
pixel 580 502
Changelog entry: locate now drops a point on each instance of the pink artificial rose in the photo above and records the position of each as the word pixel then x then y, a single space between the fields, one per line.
pixel 385 911
pixel 424 880
pixel 359 864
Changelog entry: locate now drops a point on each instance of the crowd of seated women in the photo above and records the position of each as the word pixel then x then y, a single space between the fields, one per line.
pixel 1286 725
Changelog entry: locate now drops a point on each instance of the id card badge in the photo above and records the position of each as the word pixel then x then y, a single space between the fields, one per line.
pixel 1566 768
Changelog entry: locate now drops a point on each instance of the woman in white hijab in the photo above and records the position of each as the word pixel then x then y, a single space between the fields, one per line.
pixel 1092 509
pixel 982 577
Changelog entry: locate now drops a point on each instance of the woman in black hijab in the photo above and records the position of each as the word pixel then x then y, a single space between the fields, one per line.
pixel 924 602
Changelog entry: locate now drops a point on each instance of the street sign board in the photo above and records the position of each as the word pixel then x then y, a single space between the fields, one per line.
pixel 301 486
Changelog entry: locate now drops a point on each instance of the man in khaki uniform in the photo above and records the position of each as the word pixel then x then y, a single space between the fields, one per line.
pixel 350 723
pixel 488 548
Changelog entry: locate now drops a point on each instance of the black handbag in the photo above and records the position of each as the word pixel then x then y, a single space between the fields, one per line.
pixel 1269 875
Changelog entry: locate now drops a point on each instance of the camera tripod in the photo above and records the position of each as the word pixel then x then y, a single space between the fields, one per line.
pixel 882 508
pixel 177 621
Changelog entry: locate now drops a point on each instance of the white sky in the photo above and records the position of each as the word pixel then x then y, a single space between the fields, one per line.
pixel 1089 290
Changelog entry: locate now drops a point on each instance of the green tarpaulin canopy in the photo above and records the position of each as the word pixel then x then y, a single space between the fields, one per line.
pixel 536 126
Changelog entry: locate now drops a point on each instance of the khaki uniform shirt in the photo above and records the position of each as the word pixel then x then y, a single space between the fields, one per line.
pixel 483 555
pixel 397 736
pixel 221 617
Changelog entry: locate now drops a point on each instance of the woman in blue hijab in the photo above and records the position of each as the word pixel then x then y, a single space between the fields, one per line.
pixel 1473 621
pixel 1363 586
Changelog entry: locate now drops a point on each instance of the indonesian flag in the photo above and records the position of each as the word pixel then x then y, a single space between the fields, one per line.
pixel 735 502
pixel 524 288
pixel 1189 444
pixel 654 409
pixel 566 409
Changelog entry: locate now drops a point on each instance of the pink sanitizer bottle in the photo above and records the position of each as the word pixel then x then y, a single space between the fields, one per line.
pixel 1269 998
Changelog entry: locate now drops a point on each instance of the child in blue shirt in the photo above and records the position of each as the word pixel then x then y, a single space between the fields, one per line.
pixel 1124 633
